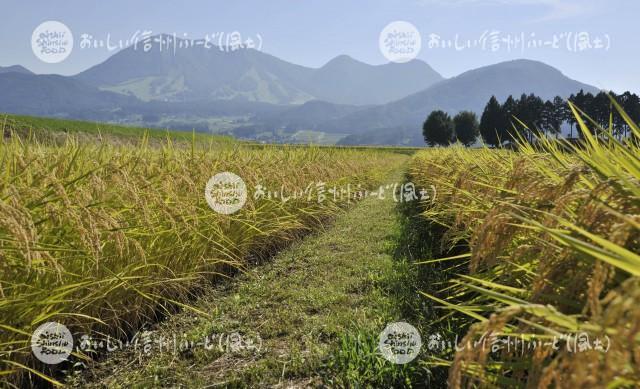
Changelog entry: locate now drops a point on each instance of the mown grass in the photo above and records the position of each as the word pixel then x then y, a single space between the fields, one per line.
pixel 318 306
pixel 550 240
pixel 104 237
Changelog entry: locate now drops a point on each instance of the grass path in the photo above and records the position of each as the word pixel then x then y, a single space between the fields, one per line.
pixel 317 307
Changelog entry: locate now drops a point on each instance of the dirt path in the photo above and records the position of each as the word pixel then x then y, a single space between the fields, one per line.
pixel 309 317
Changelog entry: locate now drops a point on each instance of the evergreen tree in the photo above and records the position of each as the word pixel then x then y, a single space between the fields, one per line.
pixel 600 109
pixel 509 110
pixel 583 102
pixel 532 113
pixel 560 112
pixel 569 117
pixel 548 121
pixel 491 123
pixel 535 108
pixel 631 105
pixel 529 112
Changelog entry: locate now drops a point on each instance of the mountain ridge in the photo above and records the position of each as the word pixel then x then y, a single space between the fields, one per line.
pixel 297 98
pixel 468 91
pixel 252 75
pixel 15 69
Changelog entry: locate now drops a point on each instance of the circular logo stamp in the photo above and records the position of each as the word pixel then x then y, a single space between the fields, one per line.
pixel 400 41
pixel 52 41
pixel 52 343
pixel 226 193
pixel 400 343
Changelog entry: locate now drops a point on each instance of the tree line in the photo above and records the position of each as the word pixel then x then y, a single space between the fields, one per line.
pixel 519 118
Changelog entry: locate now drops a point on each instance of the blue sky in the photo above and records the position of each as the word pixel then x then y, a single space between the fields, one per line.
pixel 311 32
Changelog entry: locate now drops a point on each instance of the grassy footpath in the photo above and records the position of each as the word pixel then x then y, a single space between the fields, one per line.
pixel 318 307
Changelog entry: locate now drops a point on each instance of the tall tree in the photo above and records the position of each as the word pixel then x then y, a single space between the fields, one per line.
pixel 583 102
pixel 600 109
pixel 547 122
pixel 491 123
pixel 569 117
pixel 560 112
pixel 552 116
pixel 631 105
pixel 438 129
pixel 619 125
pixel 509 110
pixel 536 110
pixel 529 111
pixel 466 127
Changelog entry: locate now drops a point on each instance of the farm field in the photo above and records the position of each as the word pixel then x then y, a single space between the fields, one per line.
pixel 538 259
pixel 111 234
pixel 106 236
pixel 304 194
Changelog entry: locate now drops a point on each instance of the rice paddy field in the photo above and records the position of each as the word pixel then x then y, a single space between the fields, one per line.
pixel 102 237
pixel 543 251
pixel 527 262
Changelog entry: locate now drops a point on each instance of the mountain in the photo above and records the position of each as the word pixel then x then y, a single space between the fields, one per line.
pixel 469 91
pixel 59 96
pixel 54 95
pixel 344 80
pixel 397 136
pixel 210 90
pixel 197 72
pixel 307 116
pixel 15 69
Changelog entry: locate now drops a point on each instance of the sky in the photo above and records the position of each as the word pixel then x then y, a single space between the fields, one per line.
pixel 311 32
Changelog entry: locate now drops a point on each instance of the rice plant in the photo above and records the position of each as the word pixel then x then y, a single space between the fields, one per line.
pixel 104 238
pixel 552 260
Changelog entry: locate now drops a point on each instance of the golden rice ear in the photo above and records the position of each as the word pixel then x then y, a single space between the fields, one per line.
pixel 553 250
pixel 104 231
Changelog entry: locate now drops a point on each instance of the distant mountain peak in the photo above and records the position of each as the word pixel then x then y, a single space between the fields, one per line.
pixel 196 73
pixel 16 69
pixel 468 91
pixel 521 64
pixel 343 59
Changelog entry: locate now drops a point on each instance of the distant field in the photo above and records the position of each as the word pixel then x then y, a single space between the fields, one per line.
pixel 52 128
pixel 49 128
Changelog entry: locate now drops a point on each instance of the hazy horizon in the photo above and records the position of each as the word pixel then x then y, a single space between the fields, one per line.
pixel 312 33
